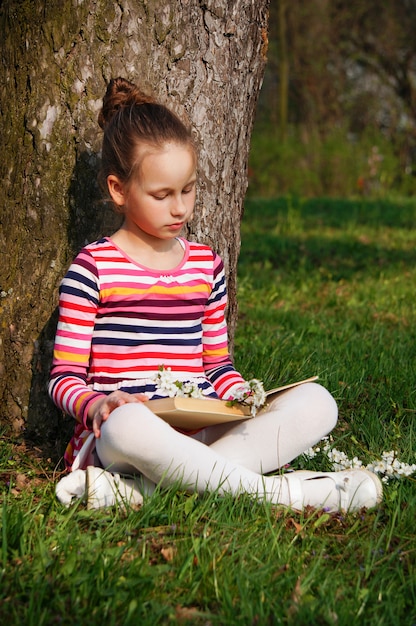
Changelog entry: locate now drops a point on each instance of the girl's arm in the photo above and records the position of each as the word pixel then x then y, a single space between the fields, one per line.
pixel 78 302
pixel 218 366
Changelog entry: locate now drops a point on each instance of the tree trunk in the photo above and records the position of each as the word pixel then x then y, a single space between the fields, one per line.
pixel 283 70
pixel 205 59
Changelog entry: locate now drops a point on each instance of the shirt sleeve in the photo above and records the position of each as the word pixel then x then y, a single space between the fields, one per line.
pixel 78 300
pixel 218 366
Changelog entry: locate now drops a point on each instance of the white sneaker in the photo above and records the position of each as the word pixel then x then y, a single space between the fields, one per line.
pixel 354 489
pixel 71 486
pixel 105 489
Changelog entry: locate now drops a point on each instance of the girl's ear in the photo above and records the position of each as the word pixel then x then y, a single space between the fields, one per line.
pixel 116 190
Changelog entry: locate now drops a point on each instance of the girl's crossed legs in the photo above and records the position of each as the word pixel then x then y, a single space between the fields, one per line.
pixel 230 458
pixel 294 421
pixel 225 458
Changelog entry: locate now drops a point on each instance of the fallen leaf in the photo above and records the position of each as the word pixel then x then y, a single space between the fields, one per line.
pixel 292 522
pixel 21 481
pixel 183 613
pixel 168 553
pixel 296 598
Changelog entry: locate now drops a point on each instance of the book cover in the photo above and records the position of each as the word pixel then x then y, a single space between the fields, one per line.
pixel 193 413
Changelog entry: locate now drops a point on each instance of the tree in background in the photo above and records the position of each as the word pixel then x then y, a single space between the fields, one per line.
pixel 283 69
pixel 379 49
pixel 345 73
pixel 206 60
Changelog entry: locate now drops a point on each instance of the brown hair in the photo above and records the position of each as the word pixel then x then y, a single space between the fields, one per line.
pixel 131 119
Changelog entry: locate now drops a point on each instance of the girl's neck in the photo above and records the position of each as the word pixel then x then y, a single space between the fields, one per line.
pixel 157 254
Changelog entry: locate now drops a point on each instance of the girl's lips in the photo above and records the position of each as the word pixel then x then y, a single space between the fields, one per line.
pixel 176 226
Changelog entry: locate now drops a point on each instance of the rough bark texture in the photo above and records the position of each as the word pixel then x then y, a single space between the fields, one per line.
pixel 205 59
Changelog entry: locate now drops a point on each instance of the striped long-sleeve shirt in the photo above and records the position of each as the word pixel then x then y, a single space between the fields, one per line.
pixel 120 322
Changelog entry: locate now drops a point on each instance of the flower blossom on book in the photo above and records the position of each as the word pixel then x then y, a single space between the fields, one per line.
pixel 166 383
pixel 251 394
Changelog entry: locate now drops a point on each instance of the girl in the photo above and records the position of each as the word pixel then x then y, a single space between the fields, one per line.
pixel 147 298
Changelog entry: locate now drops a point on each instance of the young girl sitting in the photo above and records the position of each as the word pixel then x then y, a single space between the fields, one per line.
pixel 146 298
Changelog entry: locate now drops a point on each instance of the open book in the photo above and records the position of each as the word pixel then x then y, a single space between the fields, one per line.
pixel 194 413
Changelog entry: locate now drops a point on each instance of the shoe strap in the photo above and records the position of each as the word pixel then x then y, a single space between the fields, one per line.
pixel 294 484
pixel 343 489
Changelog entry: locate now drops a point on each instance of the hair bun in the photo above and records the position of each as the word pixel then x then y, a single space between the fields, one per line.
pixel 120 93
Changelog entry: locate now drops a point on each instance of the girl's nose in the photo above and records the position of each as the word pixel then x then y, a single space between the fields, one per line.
pixel 178 207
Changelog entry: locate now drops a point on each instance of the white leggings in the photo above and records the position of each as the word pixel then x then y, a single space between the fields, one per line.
pixel 229 458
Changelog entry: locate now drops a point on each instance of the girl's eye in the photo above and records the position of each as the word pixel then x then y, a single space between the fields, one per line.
pixel 160 197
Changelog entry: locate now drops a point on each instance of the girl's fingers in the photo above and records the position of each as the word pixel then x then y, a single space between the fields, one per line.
pixel 140 397
pixel 110 403
pixel 96 423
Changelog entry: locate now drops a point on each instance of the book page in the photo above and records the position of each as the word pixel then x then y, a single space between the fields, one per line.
pixel 194 413
pixel 288 386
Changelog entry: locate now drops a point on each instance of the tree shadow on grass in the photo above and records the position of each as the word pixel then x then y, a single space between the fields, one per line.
pixel 340 213
pixel 341 256
pixel 342 237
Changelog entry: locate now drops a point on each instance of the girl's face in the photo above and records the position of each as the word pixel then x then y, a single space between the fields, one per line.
pixel 160 198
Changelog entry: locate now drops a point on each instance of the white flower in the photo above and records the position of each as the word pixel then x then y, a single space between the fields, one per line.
pixel 388 466
pixel 167 384
pixel 250 394
pixel 310 453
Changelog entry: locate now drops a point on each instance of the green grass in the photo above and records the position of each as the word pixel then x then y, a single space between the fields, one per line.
pixel 325 287
pixel 311 163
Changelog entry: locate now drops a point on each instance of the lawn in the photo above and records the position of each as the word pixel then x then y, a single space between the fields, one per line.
pixel 326 287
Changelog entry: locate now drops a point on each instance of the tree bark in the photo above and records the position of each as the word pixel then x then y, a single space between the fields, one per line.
pixel 204 59
pixel 283 70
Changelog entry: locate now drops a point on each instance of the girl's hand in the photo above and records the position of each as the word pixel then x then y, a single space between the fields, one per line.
pixel 99 410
